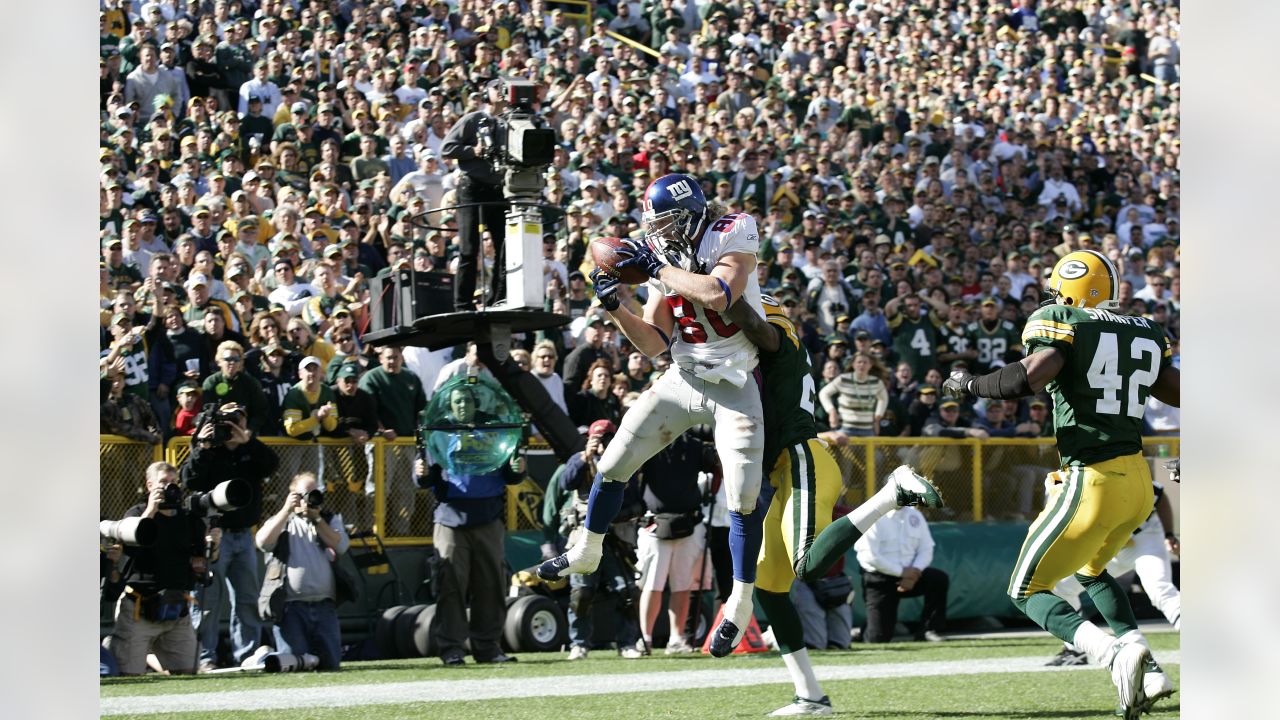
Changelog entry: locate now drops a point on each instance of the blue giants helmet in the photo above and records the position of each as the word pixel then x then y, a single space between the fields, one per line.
pixel 675 216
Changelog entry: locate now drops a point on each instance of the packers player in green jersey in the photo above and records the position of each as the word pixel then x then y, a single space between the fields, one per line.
pixel 1099 368
pixel 804 482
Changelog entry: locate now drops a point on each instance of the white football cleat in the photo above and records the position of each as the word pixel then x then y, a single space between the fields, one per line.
pixel 913 488
pixel 577 652
pixel 1155 685
pixel 1128 668
pixel 801 706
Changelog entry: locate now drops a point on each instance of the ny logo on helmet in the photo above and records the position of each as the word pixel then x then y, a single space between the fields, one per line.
pixel 680 190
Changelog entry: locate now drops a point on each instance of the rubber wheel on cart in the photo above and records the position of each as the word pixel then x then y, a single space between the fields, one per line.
pixel 535 624
pixel 384 631
pixel 402 631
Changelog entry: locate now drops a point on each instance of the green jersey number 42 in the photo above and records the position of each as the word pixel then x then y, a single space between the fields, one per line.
pixel 1103 375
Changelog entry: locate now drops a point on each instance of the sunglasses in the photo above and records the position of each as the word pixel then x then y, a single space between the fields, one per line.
pixel 231 358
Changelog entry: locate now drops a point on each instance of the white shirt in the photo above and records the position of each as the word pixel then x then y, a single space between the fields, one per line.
pixel 456 368
pixel 267 90
pixel 554 385
pixel 292 297
pixel 898 540
pixel 426 365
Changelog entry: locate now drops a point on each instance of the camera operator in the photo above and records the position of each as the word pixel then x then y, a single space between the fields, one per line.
pixel 151 615
pixel 222 449
pixel 303 541
pixel 468 537
pixel 615 575
pixel 471 143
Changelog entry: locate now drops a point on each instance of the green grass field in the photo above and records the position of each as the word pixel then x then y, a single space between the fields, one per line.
pixel 677 687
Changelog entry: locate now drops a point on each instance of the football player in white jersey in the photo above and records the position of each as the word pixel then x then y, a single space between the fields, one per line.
pixel 699 262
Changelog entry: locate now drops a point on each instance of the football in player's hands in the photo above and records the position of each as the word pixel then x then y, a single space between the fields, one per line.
pixel 609 252
pixel 958 385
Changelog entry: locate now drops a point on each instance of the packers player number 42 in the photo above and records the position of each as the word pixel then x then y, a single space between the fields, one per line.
pixel 1099 368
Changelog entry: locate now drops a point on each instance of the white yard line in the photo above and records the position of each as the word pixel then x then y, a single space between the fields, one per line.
pixel 563 685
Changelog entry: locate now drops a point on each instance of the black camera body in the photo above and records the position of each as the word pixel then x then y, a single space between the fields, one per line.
pixel 314 498
pixel 521 147
pixel 222 420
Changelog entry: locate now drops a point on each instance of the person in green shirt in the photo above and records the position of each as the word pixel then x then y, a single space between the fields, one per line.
pixel 309 405
pixel 916 336
pixel 401 401
pixel 368 165
pixel 1099 368
pixel 231 384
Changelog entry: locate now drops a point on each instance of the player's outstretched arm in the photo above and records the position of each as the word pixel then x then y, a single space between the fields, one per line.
pixel 718 289
pixel 651 334
pixel 1168 387
pixel 757 329
pixel 1025 377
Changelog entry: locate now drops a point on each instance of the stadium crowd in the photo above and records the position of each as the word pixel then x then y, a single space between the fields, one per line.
pixel 915 167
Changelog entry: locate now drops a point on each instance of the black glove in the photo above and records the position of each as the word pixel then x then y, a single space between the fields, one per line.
pixel 959 385
pixel 643 257
pixel 606 289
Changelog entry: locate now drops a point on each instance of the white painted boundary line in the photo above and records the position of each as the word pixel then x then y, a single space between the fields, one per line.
pixel 563 685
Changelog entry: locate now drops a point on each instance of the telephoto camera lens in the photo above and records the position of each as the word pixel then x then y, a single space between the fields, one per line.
pixel 315 498
pixel 284 662
pixel 136 531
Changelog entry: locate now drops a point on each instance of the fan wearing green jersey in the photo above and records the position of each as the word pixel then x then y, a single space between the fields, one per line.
pixel 954 341
pixel 1099 368
pixel 991 336
pixel 916 337
pixel 800 539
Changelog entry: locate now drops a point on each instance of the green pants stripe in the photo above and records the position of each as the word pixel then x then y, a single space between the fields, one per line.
pixel 1037 543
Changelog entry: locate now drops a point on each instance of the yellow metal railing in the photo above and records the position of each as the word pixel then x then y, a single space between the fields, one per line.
pixel 633 43
pixel 992 479
pixel 371 484
pixel 583 16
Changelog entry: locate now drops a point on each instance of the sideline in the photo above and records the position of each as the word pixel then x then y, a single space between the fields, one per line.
pixel 435 691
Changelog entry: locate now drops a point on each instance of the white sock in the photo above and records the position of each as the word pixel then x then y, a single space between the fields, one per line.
pixel 802 675
pixel 866 514
pixel 589 544
pixel 1134 636
pixel 739 598
pixel 1099 646
pixel 1177 624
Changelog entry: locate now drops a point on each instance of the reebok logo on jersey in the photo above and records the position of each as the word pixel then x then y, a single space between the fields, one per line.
pixel 680 190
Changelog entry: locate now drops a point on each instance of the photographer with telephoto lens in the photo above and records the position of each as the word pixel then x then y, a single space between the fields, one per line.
pixel 151 614
pixel 301 590
pixel 223 448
